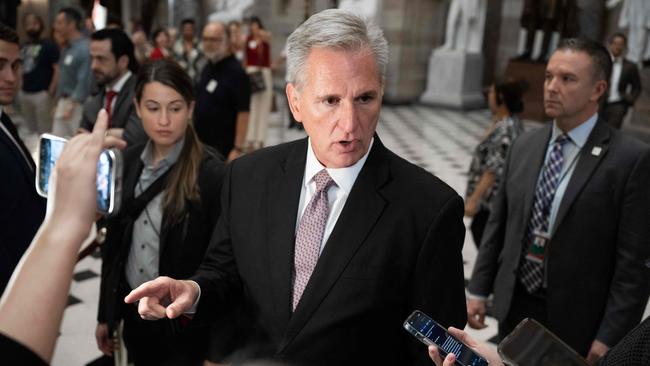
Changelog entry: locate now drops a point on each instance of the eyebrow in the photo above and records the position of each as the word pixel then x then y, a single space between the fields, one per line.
pixel 365 93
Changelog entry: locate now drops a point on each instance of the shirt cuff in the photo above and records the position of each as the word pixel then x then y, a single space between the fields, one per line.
pixel 471 296
pixel 192 310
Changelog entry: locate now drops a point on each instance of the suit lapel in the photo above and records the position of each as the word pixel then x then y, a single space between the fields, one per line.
pixel 535 162
pixel 122 103
pixel 282 207
pixel 28 167
pixel 348 235
pixel 585 167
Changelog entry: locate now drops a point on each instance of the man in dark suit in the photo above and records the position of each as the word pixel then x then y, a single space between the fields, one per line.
pixel 569 231
pixel 624 85
pixel 21 208
pixel 113 64
pixel 332 240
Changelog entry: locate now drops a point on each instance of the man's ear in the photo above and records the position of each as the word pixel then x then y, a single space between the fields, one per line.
pixel 293 95
pixel 599 89
pixel 123 62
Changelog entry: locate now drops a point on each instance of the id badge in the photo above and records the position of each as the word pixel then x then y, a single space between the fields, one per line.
pixel 538 246
pixel 67 60
pixel 212 85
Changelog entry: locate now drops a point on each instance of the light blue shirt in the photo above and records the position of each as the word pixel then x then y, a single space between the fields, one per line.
pixel 571 150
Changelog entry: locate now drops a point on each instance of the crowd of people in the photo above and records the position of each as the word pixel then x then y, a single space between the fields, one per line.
pixel 61 96
pixel 314 251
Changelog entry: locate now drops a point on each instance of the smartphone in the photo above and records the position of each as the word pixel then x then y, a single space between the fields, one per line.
pixel 429 332
pixel 109 172
pixel 530 344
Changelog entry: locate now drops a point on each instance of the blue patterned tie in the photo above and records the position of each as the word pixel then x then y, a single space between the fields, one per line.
pixel 532 271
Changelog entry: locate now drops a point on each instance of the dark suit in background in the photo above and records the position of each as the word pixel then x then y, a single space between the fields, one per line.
pixel 21 208
pixel 395 247
pixel 629 89
pixel 123 116
pixel 597 280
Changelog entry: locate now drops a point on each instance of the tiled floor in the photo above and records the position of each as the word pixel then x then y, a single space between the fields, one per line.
pixel 439 140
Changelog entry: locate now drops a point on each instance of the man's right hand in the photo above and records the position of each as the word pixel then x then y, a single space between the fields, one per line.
pixel 476 309
pixel 164 297
pixel 105 342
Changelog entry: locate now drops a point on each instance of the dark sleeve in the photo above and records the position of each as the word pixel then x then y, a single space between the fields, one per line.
pixel 217 275
pixel 86 123
pixel 629 289
pixel 18 353
pixel 243 94
pixel 439 282
pixel 486 266
pixel 53 52
pixel 634 349
pixel 134 133
pixel 635 83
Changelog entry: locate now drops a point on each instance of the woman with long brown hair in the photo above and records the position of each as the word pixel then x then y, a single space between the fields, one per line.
pixel 170 206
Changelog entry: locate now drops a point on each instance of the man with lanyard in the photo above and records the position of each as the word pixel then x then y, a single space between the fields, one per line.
pixel 569 234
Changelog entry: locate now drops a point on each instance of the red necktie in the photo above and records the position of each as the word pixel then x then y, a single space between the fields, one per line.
pixel 109 99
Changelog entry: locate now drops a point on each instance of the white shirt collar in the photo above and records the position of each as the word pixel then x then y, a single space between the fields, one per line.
pixel 343 177
pixel 117 87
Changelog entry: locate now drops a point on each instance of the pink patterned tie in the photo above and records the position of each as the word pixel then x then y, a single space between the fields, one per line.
pixel 309 235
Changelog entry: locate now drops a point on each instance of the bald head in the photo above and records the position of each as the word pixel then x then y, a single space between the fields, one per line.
pixel 216 43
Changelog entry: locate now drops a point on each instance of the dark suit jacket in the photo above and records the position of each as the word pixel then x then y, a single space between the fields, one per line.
pixel 124 115
pixel 629 84
pixel 396 247
pixel 597 280
pixel 182 244
pixel 21 208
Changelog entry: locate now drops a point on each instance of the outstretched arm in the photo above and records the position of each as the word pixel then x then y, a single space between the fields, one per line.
pixel 43 274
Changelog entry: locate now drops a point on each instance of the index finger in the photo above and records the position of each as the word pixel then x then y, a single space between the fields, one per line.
pixel 99 130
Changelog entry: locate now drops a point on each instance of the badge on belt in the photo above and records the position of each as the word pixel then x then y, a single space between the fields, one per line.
pixel 538 246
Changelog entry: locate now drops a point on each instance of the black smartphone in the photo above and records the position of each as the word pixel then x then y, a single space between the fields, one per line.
pixel 530 344
pixel 109 172
pixel 429 332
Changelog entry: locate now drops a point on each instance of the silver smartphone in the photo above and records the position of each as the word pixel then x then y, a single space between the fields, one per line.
pixel 429 332
pixel 530 344
pixel 109 172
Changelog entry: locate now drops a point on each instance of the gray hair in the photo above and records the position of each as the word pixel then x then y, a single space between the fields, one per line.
pixel 337 29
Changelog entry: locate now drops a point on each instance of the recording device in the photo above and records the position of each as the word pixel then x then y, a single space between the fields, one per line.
pixel 109 172
pixel 430 332
pixel 530 344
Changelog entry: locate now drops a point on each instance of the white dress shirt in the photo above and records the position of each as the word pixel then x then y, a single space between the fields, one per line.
pixel 337 194
pixel 117 87
pixel 614 95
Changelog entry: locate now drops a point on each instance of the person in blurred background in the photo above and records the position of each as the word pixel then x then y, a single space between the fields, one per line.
pixel 161 44
pixel 258 66
pixel 40 68
pixel 73 86
pixel 505 102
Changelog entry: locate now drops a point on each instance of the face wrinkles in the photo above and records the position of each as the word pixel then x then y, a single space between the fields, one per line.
pixel 338 104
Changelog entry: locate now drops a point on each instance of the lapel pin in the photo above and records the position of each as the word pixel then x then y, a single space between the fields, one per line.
pixel 596 151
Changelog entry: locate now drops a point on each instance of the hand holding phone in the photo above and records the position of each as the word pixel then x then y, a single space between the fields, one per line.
pixel 430 333
pixel 109 172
